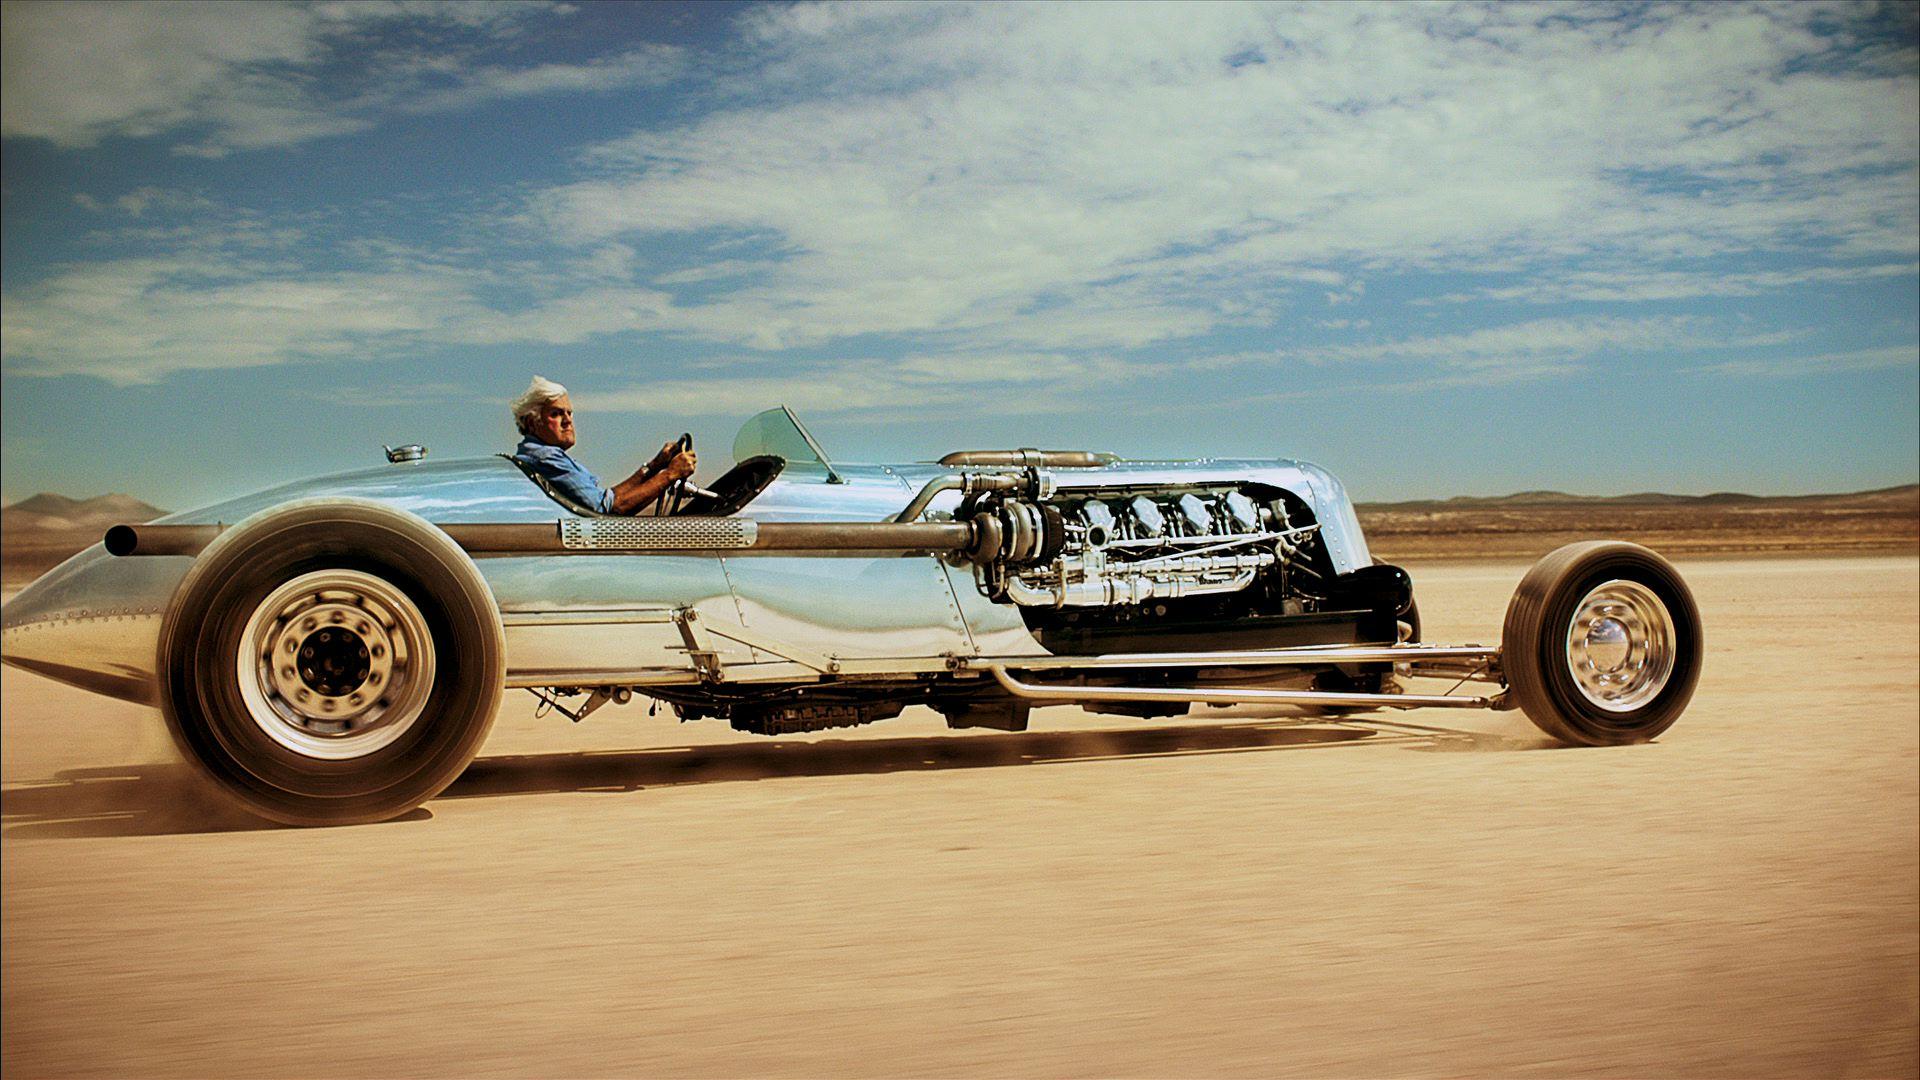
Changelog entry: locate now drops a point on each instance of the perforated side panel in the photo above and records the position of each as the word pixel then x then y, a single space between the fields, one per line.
pixel 657 534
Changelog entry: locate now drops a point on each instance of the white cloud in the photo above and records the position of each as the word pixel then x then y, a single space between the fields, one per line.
pixel 1889 358
pixel 965 383
pixel 1533 346
pixel 1509 352
pixel 244 76
pixel 497 17
pixel 650 65
pixel 135 320
pixel 1035 382
pixel 1069 182
pixel 991 170
pixel 74 72
pixel 1643 285
pixel 137 202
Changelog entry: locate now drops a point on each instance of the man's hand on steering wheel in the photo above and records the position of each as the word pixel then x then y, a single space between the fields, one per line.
pixel 678 461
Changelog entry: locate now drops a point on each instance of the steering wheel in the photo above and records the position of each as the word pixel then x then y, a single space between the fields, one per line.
pixel 676 493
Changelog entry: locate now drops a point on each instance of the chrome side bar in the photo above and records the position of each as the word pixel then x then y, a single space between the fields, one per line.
pixel 693 535
pixel 591 617
pixel 621 536
pixel 1245 696
pixel 1304 654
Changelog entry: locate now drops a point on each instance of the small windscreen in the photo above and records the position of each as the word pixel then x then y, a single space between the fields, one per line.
pixel 778 432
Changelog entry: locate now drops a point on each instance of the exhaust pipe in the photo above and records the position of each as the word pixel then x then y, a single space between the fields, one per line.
pixel 160 539
pixel 621 536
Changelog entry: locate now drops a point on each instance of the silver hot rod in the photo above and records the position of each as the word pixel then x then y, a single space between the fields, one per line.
pixel 334 651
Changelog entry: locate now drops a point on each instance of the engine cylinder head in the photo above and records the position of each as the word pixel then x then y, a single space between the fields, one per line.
pixel 1198 514
pixel 1245 515
pixel 1147 516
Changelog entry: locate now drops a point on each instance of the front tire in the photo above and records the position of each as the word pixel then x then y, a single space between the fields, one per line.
pixel 331 662
pixel 1602 644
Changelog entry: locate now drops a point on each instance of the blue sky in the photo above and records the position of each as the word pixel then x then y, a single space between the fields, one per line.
pixel 1440 249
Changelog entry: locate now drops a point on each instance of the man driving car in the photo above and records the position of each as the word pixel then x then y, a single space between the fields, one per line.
pixel 544 415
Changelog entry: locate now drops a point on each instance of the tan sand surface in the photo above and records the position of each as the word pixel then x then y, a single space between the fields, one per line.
pixel 1244 893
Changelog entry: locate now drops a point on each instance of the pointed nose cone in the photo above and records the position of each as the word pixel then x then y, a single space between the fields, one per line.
pixel 93 622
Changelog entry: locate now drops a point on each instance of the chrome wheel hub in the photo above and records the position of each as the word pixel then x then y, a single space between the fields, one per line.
pixel 335 664
pixel 1620 646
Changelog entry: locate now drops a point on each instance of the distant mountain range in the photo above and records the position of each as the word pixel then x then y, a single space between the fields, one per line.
pixel 1528 524
pixel 47 513
pixel 1879 498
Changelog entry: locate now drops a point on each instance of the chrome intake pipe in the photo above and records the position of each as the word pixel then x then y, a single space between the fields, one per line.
pixel 965 483
pixel 1028 459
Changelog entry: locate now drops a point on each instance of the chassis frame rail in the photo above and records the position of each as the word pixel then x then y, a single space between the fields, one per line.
pixel 1251 695
pixel 704 665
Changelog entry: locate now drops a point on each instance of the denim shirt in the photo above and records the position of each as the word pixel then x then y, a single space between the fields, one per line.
pixel 567 476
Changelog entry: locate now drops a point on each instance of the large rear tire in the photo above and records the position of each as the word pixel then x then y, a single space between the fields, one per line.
pixel 331 662
pixel 1602 644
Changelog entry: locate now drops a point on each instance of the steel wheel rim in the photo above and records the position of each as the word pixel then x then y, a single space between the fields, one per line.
pixel 335 665
pixel 1621 646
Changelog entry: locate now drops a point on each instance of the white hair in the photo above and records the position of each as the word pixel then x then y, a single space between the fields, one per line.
pixel 540 391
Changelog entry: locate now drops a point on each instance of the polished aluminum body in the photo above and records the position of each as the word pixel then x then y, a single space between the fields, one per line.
pixel 586 619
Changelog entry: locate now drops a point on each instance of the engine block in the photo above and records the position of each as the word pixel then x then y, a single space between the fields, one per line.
pixel 1129 547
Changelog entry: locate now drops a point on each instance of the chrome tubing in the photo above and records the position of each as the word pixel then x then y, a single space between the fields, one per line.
pixel 1028 459
pixel 619 536
pixel 1485 671
pixel 1120 588
pixel 1296 655
pixel 160 539
pixel 1247 696
pixel 864 536
pixel 681 536
pixel 966 483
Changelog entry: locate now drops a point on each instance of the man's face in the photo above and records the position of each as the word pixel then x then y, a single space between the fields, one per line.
pixel 553 424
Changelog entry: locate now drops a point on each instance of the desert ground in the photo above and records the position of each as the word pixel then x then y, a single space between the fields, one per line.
pixel 1239 893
